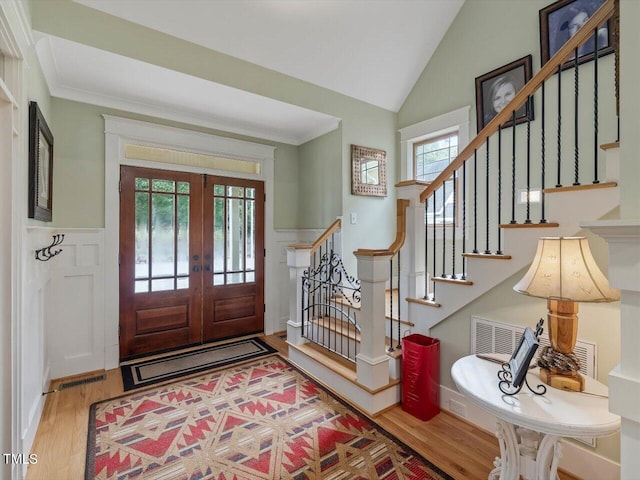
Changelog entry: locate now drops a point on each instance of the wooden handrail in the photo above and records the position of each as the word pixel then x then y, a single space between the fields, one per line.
pixel 401 232
pixel 601 15
pixel 334 227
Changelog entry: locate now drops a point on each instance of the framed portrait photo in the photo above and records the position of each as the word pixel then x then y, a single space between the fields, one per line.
pixel 495 89
pixel 522 356
pixel 40 166
pixel 561 20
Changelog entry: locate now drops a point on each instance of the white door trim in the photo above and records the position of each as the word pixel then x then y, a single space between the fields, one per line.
pixel 120 132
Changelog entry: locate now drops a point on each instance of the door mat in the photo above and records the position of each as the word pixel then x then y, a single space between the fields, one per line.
pixel 149 372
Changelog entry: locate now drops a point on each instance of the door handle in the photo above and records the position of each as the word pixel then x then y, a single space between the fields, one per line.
pixel 207 268
pixel 196 268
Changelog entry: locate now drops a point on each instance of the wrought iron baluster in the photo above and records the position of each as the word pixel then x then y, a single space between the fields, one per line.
pixel 543 157
pixel 475 201
pixel 426 249
pixel 433 199
pixel 464 219
pixel 398 346
pixel 528 219
pixel 595 108
pixel 444 229
pixel 513 168
pixel 486 195
pixel 499 251
pixel 453 230
pixel 559 135
pixel 576 153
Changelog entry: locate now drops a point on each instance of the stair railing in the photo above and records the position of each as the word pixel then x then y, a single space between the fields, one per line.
pixel 492 165
pixel 392 328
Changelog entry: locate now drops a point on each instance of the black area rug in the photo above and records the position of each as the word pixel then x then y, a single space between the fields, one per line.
pixel 149 372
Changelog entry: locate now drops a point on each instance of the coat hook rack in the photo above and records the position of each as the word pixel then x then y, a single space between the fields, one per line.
pixel 45 254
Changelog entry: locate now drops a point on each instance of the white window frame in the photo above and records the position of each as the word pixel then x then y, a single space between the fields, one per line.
pixel 433 127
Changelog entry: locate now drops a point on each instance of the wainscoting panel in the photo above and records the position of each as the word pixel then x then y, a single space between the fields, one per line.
pixel 75 312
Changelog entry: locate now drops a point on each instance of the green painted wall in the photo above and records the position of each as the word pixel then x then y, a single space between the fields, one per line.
pixel 362 124
pixel 79 165
pixel 319 178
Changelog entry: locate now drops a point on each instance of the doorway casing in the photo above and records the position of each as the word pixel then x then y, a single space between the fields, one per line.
pixel 120 132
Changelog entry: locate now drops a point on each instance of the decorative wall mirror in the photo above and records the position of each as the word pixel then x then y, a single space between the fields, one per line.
pixel 368 171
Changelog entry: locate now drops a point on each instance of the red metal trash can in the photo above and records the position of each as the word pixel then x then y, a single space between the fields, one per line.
pixel 421 376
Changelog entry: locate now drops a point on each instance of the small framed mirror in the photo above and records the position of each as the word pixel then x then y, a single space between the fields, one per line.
pixel 368 171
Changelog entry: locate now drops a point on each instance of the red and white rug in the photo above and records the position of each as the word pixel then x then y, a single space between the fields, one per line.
pixel 259 420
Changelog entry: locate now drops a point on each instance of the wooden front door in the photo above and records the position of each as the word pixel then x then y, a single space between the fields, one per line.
pixel 191 259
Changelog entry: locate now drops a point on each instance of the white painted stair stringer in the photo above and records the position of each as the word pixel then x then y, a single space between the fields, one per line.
pixel 567 208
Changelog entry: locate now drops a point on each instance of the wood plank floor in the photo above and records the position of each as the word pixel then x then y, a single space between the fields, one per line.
pixel 459 448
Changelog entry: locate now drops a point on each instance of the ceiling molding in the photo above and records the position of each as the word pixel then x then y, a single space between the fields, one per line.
pixel 239 118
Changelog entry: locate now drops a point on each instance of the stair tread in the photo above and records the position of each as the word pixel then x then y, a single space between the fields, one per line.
pixel 487 256
pixel 455 281
pixel 530 225
pixel 586 186
pixel 422 301
pixel 608 146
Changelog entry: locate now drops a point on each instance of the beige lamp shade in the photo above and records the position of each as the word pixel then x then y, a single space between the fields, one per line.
pixel 564 268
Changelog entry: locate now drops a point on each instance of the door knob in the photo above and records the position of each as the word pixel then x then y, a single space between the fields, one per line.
pixel 196 268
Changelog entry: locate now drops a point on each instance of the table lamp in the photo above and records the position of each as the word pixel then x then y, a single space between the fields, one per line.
pixel 565 273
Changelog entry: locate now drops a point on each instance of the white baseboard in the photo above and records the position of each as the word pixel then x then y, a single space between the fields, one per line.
pixel 576 460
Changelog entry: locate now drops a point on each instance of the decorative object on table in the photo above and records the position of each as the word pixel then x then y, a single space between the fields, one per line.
pixel 40 166
pixel 565 273
pixel 498 87
pixel 561 20
pixel 45 254
pixel 514 372
pixel 368 171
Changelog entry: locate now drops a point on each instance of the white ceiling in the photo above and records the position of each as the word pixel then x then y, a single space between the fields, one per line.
pixel 371 50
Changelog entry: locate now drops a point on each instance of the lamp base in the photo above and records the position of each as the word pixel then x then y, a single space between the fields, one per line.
pixel 573 382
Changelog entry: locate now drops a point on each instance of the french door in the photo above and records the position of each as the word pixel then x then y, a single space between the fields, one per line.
pixel 191 259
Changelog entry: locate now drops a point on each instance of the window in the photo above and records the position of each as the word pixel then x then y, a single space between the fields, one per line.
pixel 431 156
pixel 427 148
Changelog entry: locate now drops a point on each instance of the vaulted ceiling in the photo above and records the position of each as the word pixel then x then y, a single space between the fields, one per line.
pixel 370 50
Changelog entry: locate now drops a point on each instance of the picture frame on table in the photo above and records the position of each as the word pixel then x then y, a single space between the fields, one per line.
pixel 40 166
pixel 495 89
pixel 561 20
pixel 522 356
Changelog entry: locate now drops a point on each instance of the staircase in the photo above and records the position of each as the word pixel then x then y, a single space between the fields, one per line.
pixel 445 266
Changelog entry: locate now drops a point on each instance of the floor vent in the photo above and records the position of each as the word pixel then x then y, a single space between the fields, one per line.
pixel 488 336
pixel 77 383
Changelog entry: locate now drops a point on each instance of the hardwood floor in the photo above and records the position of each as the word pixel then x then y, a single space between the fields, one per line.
pixel 459 448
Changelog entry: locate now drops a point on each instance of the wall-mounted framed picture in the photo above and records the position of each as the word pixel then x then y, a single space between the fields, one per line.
pixel 368 171
pixel 495 89
pixel 561 20
pixel 40 166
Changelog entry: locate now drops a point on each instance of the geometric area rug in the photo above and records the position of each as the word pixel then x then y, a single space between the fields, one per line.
pixel 261 419
pixel 146 372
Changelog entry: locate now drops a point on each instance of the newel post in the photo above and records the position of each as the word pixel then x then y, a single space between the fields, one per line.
pixel 372 363
pixel 412 274
pixel 298 260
